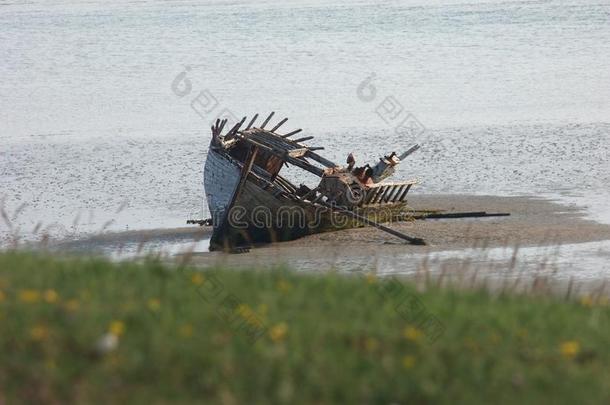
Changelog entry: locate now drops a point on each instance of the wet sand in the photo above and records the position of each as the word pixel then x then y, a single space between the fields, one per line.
pixel 533 222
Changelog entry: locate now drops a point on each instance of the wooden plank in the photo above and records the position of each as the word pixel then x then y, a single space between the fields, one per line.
pixel 245 170
pixel 296 131
pixel 297 153
pixel 395 183
pixel 279 124
pixel 305 138
pixel 222 126
pixel 404 194
pixel 374 192
pixel 267 120
pixel 320 159
pixel 399 191
pixel 391 192
pixel 410 239
pixel 378 195
pixel 251 122
pixel 235 128
pixel 284 155
pixel 368 196
pixel 387 192
pixel 408 152
pixel 476 214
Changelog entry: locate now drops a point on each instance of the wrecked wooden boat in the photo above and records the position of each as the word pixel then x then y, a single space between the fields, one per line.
pixel 252 203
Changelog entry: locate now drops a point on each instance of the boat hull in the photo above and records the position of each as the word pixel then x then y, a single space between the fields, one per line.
pixel 220 178
pixel 258 215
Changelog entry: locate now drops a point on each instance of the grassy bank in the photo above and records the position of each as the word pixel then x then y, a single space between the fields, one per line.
pixel 87 331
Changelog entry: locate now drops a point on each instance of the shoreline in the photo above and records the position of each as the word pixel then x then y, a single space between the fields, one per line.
pixel 534 221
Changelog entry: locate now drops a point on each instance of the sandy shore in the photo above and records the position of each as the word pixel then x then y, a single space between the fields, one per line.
pixel 533 222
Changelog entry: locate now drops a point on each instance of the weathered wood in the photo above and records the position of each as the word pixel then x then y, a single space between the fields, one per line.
pixel 373 194
pixel 378 195
pixel 305 138
pixel 283 154
pixel 267 120
pixel 391 192
pixel 394 183
pixel 412 240
pixel 320 159
pixel 297 153
pixel 296 131
pixel 279 124
pixel 251 122
pixel 408 152
pixel 235 128
pixel 222 125
pixel 404 193
pixel 475 214
pixel 398 193
pixel 246 168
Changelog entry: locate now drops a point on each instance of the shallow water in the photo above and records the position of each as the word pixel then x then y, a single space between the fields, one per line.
pixel 508 98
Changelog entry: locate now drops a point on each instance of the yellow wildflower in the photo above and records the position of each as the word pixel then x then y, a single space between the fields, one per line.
pixel 39 333
pixel 586 301
pixel 408 361
pixel 413 334
pixel 117 328
pixel 569 349
pixel 371 277
pixel 278 332
pixel 2 296
pixel 471 344
pixel 495 338
pixel 29 296
pixel 243 310
pixel 154 304
pixel 50 296
pixel 371 344
pixel 197 279
pixel 284 286
pixel 522 333
pixel 72 305
pixel 186 330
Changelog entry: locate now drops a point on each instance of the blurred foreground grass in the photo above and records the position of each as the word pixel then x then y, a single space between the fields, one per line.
pixel 88 331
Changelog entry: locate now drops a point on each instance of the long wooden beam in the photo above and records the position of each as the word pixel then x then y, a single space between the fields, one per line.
pixel 267 120
pixel 283 154
pixel 251 122
pixel 320 159
pixel 279 124
pixel 296 131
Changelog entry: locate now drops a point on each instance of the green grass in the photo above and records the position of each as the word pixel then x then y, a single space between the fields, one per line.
pixel 226 336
